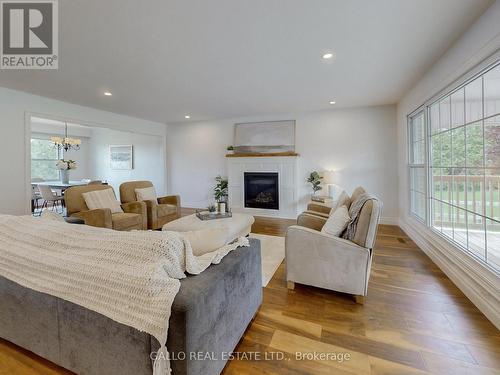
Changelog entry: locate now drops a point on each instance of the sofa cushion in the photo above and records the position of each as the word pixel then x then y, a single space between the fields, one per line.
pixel 74 200
pixel 124 220
pixel 127 190
pixel 102 199
pixel 343 200
pixel 146 194
pixel 364 222
pixel 236 226
pixel 206 240
pixel 166 209
pixel 357 193
pixel 337 222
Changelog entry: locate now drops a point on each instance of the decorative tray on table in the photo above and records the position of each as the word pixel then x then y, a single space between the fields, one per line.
pixel 206 215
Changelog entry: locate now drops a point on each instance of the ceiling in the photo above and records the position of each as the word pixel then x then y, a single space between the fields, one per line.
pixel 228 58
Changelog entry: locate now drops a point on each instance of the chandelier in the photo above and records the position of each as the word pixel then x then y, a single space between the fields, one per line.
pixel 66 143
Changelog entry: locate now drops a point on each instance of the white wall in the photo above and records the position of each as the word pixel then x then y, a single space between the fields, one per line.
pixel 15 107
pixel 359 143
pixel 148 158
pixel 478 43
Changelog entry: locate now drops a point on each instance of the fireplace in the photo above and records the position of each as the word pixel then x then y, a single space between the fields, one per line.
pixel 261 190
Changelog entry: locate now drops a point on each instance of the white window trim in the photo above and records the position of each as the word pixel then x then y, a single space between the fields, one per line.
pixel 477 71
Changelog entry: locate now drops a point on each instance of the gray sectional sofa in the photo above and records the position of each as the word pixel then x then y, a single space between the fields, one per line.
pixel 209 315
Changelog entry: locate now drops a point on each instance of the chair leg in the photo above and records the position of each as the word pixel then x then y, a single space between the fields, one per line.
pixel 360 300
pixel 44 205
pixel 290 285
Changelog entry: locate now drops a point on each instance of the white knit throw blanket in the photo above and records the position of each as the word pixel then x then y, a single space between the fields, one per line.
pixel 130 277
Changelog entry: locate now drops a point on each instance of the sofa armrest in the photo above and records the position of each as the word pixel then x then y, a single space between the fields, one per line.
pixel 174 200
pixel 100 217
pixel 316 213
pixel 137 208
pixel 308 234
pixel 326 261
pixel 311 221
pixel 171 199
pixel 319 208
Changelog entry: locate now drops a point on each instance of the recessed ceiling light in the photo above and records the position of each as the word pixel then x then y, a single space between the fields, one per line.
pixel 107 93
pixel 187 117
pixel 328 55
pixel 332 102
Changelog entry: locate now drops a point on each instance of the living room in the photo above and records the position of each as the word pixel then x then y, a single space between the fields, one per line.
pixel 250 187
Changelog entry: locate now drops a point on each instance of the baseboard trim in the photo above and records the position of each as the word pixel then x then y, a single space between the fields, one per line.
pixel 478 283
pixel 389 220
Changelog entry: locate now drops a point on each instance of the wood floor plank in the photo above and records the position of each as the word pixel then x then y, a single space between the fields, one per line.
pixel 381 366
pixel 358 363
pixel 439 364
pixel 393 352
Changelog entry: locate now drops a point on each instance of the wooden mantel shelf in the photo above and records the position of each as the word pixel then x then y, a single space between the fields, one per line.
pixel 261 155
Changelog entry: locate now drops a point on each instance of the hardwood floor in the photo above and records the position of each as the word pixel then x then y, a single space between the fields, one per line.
pixel 414 321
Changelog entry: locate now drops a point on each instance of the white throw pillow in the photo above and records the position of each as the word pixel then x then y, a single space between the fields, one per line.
pixel 337 222
pixel 206 240
pixel 343 199
pixel 102 199
pixel 146 194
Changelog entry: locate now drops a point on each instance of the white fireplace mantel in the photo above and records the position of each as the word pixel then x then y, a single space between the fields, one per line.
pixel 285 166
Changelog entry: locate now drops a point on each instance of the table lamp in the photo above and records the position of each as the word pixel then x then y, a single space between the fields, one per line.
pixel 329 180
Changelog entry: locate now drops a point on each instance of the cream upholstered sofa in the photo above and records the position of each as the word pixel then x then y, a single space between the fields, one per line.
pixel 321 260
pixel 159 212
pixel 134 215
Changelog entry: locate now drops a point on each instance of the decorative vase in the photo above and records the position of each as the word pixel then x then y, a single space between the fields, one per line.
pixel 64 174
pixel 221 207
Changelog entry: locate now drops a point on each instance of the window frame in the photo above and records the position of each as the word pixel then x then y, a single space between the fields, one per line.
pixel 479 71
pixel 413 166
pixel 42 138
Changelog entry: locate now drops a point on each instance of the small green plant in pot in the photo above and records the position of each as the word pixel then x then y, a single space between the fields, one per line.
pixel 220 193
pixel 315 180
pixel 211 208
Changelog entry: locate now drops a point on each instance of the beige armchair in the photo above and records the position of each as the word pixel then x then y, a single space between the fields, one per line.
pixel 134 215
pixel 321 260
pixel 159 212
pixel 322 210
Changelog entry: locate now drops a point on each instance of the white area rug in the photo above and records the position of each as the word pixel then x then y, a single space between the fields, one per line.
pixel 272 252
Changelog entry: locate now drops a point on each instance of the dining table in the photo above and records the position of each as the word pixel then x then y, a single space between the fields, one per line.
pixel 58 185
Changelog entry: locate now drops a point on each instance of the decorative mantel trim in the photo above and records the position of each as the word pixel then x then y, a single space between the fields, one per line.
pixel 261 155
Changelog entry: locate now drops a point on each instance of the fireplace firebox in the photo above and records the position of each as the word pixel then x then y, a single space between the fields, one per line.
pixel 261 190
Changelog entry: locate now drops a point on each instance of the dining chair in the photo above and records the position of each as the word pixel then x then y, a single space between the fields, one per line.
pixel 49 196
pixel 35 194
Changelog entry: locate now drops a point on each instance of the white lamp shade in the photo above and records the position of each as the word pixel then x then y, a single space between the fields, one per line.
pixel 329 177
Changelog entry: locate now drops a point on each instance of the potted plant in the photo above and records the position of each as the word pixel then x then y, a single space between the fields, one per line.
pixel 220 193
pixel 64 167
pixel 211 209
pixel 230 149
pixel 315 180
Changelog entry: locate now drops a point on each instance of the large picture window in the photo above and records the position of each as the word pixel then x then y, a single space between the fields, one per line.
pixel 44 157
pixel 463 142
